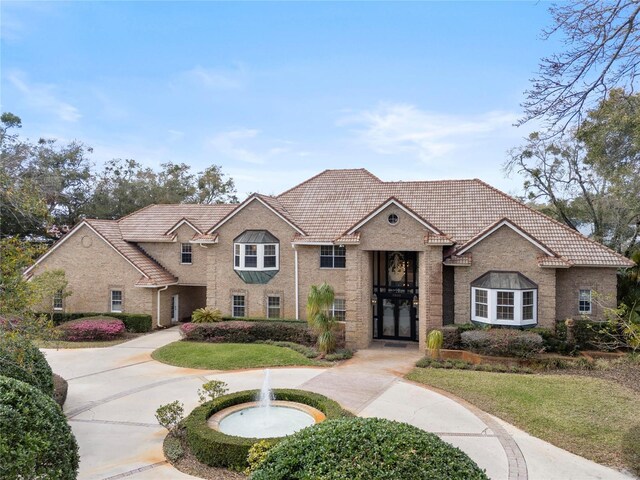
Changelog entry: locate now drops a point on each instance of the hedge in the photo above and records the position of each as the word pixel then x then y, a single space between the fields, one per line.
pixel 248 332
pixel 365 449
pixel 589 335
pixel 503 342
pixel 218 449
pixel 133 322
pixel 36 441
pixel 16 352
pixel 92 329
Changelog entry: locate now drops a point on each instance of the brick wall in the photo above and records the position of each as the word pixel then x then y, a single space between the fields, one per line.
pixel 570 281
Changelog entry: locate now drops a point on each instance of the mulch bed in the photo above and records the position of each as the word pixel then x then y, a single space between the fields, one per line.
pixel 190 465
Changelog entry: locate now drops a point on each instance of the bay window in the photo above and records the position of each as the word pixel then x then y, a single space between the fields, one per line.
pixel 504 298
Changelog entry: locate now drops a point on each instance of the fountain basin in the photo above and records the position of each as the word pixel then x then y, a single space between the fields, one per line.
pixel 250 420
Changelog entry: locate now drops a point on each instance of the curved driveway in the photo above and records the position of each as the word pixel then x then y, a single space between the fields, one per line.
pixel 114 392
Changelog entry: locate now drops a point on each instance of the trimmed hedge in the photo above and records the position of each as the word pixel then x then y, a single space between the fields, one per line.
pixel 36 441
pixel 365 449
pixel 18 353
pixel 248 332
pixel 218 449
pixel 503 342
pixel 92 328
pixel 589 335
pixel 133 322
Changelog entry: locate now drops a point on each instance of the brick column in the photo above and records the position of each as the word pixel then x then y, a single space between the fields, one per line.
pixel 430 284
pixel 358 298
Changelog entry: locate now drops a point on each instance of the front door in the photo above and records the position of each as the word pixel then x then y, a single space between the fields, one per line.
pixel 396 317
pixel 175 308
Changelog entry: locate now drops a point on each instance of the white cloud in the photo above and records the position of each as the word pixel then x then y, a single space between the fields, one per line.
pixel 42 96
pixel 405 129
pixel 217 79
pixel 246 145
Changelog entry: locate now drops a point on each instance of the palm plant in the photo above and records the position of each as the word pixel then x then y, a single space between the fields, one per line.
pixel 319 303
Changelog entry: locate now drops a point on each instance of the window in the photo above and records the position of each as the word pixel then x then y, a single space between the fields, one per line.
pixel 239 309
pixel 186 254
pixel 255 256
pixel 584 301
pixel 116 301
pixel 332 256
pixel 338 309
pixel 57 300
pixel 273 306
pixel 527 305
pixel 504 298
pixel 505 304
pixel 392 219
pixel 481 303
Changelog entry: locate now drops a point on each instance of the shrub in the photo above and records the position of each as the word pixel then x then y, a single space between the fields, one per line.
pixel 16 353
pixel 450 337
pixel 212 390
pixel 206 315
pixel 365 449
pixel 257 454
pixel 36 441
pixel 170 415
pixel 427 362
pixel 92 329
pixel 217 449
pixel 434 343
pixel 247 332
pixel 503 342
pixel 173 448
pixel 339 354
pixel 133 322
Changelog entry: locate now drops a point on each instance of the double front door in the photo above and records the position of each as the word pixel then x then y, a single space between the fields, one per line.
pixel 396 317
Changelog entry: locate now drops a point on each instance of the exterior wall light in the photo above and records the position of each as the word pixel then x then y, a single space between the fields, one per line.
pixel 415 301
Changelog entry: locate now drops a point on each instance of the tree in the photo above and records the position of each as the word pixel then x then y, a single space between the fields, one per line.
pixel 46 286
pixel 212 188
pixel 590 176
pixel 319 303
pixel 16 295
pixel 602 52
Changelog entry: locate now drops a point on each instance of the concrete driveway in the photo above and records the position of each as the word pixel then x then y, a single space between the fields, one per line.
pixel 114 392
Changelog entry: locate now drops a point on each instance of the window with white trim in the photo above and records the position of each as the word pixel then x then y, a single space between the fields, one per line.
pixel 584 301
pixel 238 306
pixel 273 306
pixel 116 301
pixel 333 256
pixel 58 300
pixel 256 256
pixel 339 309
pixel 504 298
pixel 186 254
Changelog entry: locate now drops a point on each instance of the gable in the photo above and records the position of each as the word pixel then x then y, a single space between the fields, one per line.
pixel 504 223
pixel 251 202
pixel 378 234
pixel 256 215
pixel 501 241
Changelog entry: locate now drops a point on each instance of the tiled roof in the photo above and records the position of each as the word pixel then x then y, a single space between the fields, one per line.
pixel 153 274
pixel 153 222
pixel 326 205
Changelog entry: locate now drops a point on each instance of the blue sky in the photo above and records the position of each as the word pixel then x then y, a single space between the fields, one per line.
pixel 276 92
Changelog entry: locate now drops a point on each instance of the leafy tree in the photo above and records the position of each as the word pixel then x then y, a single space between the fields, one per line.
pixel 602 52
pixel 319 303
pixel 16 295
pixel 213 188
pixel 46 286
pixel 590 176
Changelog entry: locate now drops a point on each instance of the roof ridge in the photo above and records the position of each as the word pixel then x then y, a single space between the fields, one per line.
pixel 547 217
pixel 326 170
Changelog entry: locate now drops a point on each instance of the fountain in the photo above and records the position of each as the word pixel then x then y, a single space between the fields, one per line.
pixel 265 418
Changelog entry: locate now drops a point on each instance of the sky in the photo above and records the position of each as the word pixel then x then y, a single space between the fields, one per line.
pixel 277 92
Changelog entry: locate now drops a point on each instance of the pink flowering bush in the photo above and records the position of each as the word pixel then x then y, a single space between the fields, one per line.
pixel 92 328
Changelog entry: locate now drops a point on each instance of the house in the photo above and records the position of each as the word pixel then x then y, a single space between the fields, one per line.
pixel 403 257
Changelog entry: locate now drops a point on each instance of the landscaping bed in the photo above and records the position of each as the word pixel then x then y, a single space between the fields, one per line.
pixel 591 417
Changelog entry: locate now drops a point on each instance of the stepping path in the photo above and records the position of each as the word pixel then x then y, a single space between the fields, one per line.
pixel 114 392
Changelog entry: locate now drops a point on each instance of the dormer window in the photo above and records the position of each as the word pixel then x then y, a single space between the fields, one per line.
pixel 256 256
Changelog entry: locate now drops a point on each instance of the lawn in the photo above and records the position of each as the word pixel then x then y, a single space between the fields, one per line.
pixel 228 356
pixel 594 418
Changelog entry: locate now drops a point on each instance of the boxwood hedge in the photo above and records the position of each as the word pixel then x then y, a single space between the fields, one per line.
pixel 248 332
pixel 18 352
pixel 217 449
pixel 36 441
pixel 365 449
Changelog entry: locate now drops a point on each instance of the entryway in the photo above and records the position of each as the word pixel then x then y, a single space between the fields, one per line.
pixel 396 318
pixel 175 308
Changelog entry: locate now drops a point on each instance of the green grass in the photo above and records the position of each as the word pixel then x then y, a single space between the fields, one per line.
pixel 594 418
pixel 229 356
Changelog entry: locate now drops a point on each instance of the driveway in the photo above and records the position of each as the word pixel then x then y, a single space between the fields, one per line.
pixel 114 392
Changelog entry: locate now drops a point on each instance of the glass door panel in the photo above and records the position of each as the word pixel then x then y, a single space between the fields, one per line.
pixel 388 318
pixel 404 318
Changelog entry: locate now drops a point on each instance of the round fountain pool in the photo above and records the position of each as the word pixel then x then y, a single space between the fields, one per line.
pixel 251 420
